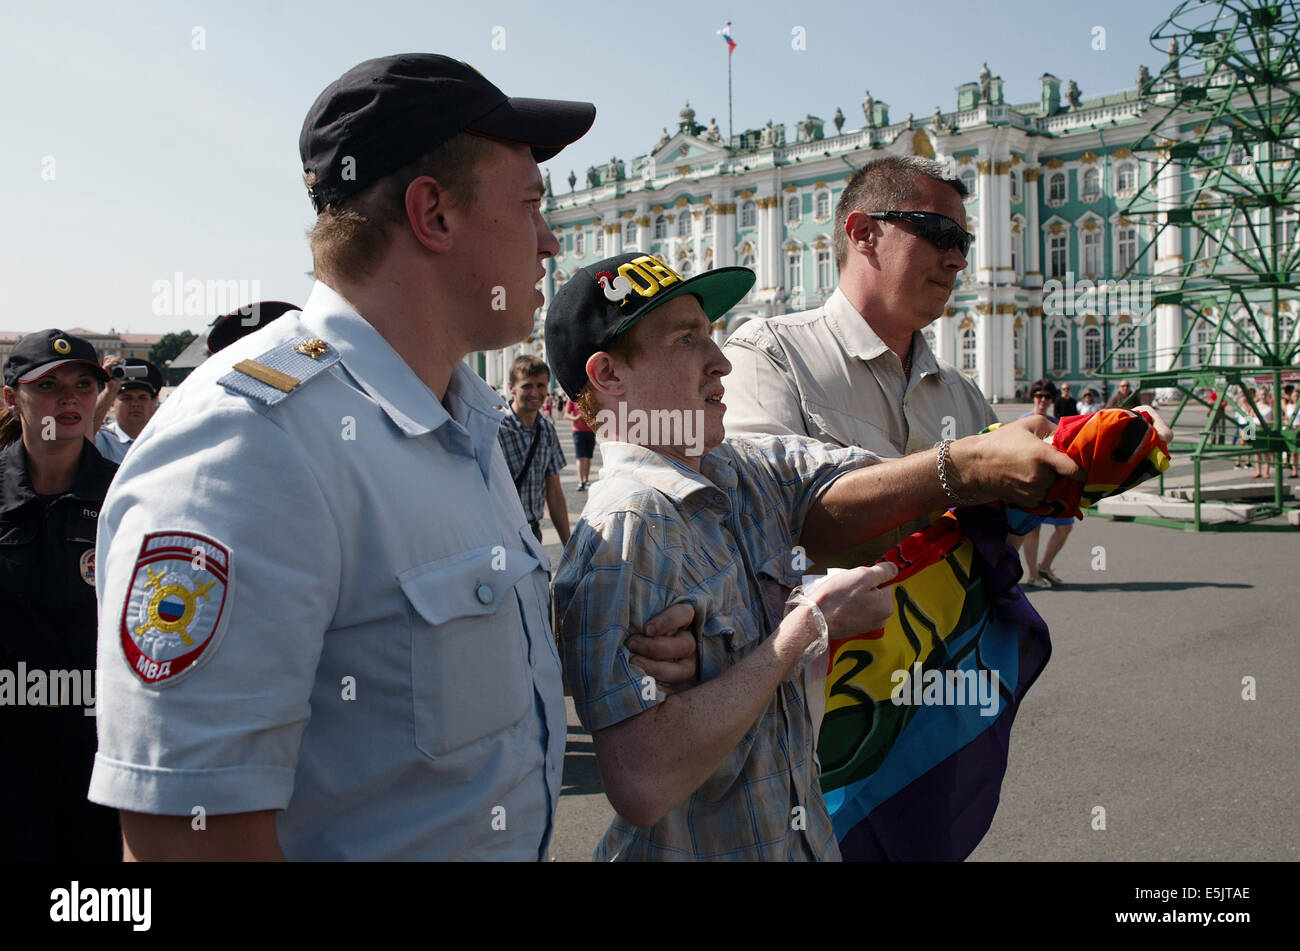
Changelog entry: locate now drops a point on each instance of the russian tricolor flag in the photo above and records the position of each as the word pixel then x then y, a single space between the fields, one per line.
pixel 725 33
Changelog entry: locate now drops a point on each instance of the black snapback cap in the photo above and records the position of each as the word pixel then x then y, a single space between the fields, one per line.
pixel 604 299
pixel 386 112
pixel 151 381
pixel 43 351
pixel 240 323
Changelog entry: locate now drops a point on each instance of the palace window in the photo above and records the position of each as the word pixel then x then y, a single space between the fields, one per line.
pixel 1017 252
pixel 598 243
pixel 661 227
pixel 580 243
pixel 748 215
pixel 1126 242
pixel 1091 185
pixel 1015 186
pixel 1126 179
pixel 1204 341
pixel 792 210
pixel 823 205
pixel 968 349
pixel 793 271
pixel 1056 188
pixel 684 223
pixel 824 277
pixel 1057 262
pixel 708 220
pixel 1092 252
pixel 1126 347
pixel 1060 350
pixel 968 179
pixel 629 232
pixel 1091 348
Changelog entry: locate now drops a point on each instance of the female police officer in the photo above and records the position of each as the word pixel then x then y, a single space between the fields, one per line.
pixel 52 481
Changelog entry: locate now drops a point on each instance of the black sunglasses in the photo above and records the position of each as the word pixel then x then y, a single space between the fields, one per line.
pixel 940 230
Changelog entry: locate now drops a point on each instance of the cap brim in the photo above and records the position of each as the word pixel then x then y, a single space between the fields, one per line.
pixel 545 125
pixel 138 385
pixel 719 290
pixel 45 369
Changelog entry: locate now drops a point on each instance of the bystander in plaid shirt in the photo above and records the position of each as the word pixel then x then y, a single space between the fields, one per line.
pixel 548 460
pixel 653 534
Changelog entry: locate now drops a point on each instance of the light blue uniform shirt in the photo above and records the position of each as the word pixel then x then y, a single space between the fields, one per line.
pixel 112 443
pixel 375 659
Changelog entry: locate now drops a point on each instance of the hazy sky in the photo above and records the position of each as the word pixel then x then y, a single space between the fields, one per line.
pixel 128 154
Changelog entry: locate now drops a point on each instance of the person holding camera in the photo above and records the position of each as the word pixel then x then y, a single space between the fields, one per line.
pixel 132 391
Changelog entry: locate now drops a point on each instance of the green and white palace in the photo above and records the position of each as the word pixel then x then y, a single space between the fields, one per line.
pixel 1048 183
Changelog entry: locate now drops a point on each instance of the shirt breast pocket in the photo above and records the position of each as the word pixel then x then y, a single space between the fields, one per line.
pixel 845 428
pixel 469 675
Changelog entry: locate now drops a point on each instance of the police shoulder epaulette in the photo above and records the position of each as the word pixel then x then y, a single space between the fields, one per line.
pixel 278 372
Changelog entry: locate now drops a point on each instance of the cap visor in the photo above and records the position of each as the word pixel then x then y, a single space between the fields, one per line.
pixel 46 369
pixel 546 125
pixel 718 290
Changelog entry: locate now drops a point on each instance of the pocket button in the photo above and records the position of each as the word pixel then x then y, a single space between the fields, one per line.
pixel 484 593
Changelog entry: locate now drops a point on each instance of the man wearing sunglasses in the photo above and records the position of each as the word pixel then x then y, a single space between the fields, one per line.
pixel 857 370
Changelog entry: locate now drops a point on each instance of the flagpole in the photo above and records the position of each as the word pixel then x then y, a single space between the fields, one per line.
pixel 730 132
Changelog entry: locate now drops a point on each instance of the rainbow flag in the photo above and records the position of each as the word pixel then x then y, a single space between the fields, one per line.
pixel 915 737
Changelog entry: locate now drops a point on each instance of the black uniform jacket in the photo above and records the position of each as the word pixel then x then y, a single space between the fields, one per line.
pixel 48 625
pixel 47 558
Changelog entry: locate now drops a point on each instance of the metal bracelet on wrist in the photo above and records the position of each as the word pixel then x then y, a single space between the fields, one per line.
pixel 943 463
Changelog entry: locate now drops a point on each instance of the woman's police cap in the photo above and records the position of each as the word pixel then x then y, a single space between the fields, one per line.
pixel 45 350
pixel 604 299
pixel 386 112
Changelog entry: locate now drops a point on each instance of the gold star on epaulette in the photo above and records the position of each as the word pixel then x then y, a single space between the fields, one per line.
pixel 314 348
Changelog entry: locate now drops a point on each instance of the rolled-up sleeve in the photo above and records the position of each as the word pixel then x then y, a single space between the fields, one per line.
pixel 624 574
pixel 789 473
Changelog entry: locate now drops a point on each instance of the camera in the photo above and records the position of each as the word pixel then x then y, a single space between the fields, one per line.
pixel 122 372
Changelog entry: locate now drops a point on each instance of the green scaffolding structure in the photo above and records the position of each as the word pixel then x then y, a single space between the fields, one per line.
pixel 1226 176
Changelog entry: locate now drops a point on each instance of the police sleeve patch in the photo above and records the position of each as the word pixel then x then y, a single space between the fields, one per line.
pixel 175 606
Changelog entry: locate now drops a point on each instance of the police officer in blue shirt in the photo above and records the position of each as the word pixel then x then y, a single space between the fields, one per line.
pixel 322 612
pixel 132 391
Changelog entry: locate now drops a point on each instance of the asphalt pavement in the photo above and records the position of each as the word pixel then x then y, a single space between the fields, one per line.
pixel 1137 742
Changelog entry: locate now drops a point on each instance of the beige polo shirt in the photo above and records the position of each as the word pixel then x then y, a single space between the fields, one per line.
pixel 824 373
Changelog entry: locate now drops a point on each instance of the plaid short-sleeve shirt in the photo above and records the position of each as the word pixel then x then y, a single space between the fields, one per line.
pixel 548 460
pixel 654 533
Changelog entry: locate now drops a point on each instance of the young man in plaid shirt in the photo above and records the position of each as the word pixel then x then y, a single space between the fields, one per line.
pixel 724 770
pixel 532 447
